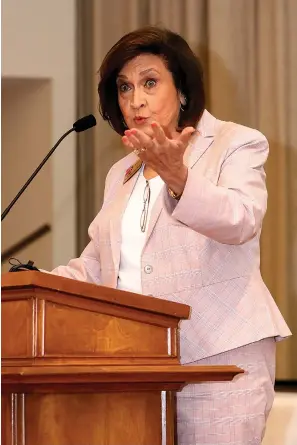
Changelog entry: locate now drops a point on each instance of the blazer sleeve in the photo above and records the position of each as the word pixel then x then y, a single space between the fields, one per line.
pixel 87 266
pixel 84 268
pixel 230 211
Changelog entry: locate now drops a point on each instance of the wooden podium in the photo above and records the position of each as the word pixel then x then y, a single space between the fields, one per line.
pixel 89 365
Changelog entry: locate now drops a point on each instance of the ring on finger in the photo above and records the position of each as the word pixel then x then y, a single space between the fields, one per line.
pixel 136 151
pixel 143 149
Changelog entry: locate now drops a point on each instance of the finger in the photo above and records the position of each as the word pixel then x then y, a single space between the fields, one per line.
pixel 133 139
pixel 143 154
pixel 159 133
pixel 127 143
pixel 186 134
pixel 181 147
pixel 144 140
pixel 167 132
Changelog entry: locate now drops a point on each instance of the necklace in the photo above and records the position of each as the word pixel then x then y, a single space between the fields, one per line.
pixel 146 203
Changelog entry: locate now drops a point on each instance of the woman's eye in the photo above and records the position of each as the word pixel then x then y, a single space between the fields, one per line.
pixel 150 83
pixel 124 88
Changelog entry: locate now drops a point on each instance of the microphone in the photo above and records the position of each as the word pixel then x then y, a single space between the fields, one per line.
pixel 82 124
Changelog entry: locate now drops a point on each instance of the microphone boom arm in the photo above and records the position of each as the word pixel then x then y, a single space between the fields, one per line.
pixel 5 212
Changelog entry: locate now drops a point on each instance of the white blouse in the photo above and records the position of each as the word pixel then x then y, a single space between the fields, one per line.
pixel 133 238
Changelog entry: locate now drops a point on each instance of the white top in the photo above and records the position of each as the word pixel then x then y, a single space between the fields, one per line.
pixel 133 238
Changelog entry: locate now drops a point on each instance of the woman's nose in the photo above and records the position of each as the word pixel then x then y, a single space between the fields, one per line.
pixel 138 100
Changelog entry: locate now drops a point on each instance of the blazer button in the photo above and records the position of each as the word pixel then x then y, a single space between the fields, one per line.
pixel 148 268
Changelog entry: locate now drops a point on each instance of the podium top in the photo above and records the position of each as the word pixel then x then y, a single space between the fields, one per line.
pixel 46 281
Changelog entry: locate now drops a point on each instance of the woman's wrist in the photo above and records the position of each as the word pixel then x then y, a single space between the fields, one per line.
pixel 176 183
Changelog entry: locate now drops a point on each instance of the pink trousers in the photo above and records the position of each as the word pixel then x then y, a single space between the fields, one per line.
pixel 232 413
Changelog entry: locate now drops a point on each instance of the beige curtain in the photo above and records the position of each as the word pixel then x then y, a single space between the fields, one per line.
pixel 252 75
pixel 249 52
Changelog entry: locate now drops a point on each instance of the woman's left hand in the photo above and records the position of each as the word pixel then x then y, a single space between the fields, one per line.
pixel 162 152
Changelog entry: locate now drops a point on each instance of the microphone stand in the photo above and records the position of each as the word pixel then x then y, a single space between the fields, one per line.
pixel 5 212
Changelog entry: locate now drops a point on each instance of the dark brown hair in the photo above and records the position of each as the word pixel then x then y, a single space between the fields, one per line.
pixel 184 65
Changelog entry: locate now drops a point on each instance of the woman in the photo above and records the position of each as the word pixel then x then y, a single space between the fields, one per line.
pixel 181 220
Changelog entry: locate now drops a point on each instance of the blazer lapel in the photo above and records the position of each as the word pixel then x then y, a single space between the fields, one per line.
pixel 202 141
pixel 200 146
pixel 119 205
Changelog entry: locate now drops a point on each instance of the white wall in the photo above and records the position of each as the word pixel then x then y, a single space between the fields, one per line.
pixel 38 42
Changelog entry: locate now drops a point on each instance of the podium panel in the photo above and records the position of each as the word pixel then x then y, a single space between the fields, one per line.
pixel 89 365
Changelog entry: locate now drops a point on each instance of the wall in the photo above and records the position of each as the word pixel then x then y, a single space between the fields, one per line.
pixel 281 428
pixel 38 44
pixel 26 102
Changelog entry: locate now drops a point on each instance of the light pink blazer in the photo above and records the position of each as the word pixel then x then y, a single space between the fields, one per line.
pixel 202 250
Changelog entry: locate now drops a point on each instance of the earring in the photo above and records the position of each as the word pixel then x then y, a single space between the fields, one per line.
pixel 124 123
pixel 183 102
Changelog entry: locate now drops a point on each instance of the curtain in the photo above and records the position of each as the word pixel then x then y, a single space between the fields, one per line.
pixel 249 53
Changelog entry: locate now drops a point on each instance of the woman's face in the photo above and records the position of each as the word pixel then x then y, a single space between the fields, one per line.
pixel 146 93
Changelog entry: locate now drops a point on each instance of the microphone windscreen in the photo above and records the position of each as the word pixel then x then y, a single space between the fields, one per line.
pixel 84 123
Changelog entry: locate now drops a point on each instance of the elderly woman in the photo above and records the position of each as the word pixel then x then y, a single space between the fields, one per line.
pixel 181 220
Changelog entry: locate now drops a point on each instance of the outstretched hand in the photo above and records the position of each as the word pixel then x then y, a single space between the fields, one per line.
pixel 162 152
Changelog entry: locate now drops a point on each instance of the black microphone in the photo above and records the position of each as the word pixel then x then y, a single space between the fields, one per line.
pixel 82 124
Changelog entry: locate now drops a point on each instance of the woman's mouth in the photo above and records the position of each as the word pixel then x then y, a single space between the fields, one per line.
pixel 140 120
